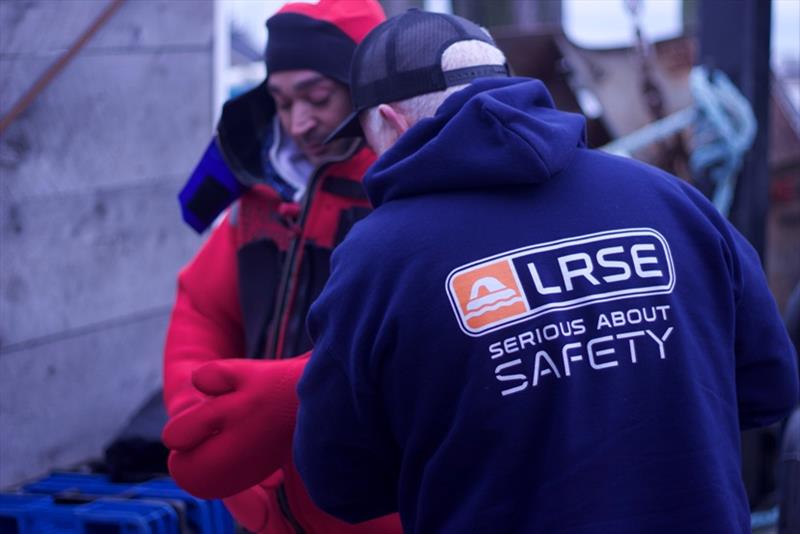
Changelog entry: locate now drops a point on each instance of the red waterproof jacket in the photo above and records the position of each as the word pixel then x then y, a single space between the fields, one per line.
pixel 246 293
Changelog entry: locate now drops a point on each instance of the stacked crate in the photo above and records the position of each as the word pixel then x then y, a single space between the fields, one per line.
pixel 83 503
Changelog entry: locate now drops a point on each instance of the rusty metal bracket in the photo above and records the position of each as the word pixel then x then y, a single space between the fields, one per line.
pixel 53 70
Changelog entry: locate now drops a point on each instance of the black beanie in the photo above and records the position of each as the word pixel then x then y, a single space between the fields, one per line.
pixel 320 37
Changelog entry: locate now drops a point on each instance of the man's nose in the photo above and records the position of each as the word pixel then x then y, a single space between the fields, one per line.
pixel 302 121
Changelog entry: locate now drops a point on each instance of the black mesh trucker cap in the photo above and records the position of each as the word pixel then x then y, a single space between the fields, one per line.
pixel 402 58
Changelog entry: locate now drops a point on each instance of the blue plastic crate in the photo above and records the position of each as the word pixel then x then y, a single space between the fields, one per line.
pixel 128 517
pixel 204 516
pixel 41 514
pixel 200 516
pixel 85 483
pixel 17 512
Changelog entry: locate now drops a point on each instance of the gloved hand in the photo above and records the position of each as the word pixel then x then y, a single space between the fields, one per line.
pixel 241 432
pixel 254 507
pixel 249 508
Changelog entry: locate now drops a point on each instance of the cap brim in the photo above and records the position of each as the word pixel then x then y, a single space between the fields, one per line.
pixel 351 127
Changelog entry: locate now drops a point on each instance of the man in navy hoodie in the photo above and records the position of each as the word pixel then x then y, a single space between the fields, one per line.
pixel 527 335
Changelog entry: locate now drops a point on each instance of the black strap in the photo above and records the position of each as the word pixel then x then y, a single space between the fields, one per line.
pixel 283 502
pixel 467 74
pixel 344 187
pixel 259 263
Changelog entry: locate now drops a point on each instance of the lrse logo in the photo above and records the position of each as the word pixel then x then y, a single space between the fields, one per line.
pixel 521 284
pixel 489 294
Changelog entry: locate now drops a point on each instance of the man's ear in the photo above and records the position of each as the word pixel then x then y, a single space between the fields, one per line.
pixel 397 121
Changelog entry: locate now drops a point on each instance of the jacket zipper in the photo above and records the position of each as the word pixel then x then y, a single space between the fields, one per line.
pixel 283 502
pixel 275 335
pixel 288 268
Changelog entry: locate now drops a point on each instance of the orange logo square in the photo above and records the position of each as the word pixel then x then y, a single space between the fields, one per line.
pixel 487 294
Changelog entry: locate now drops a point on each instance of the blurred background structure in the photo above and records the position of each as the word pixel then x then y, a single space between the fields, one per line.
pixel 91 236
pixel 91 160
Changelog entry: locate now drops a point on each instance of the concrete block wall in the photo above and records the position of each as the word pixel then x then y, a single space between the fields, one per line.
pixel 90 232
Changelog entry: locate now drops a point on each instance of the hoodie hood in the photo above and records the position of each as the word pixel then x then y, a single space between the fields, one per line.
pixel 495 132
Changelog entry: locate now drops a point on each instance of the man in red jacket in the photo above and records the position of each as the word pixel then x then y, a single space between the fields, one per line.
pixel 237 344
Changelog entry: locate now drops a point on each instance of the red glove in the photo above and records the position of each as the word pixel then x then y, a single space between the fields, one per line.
pixel 254 507
pixel 241 433
pixel 249 508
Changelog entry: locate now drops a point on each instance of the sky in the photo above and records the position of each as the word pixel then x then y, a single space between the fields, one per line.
pixel 786 29
pixel 607 24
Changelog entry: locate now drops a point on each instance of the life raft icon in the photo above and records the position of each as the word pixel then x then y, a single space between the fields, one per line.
pixel 489 294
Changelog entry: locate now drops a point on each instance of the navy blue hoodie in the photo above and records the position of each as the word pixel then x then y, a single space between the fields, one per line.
pixel 530 336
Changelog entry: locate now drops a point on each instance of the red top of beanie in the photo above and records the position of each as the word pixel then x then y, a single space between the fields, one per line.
pixel 356 18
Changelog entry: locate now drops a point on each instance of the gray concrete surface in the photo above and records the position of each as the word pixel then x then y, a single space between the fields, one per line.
pixel 90 232
pixel 63 399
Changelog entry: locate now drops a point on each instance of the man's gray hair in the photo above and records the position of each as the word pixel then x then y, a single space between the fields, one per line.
pixel 457 56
